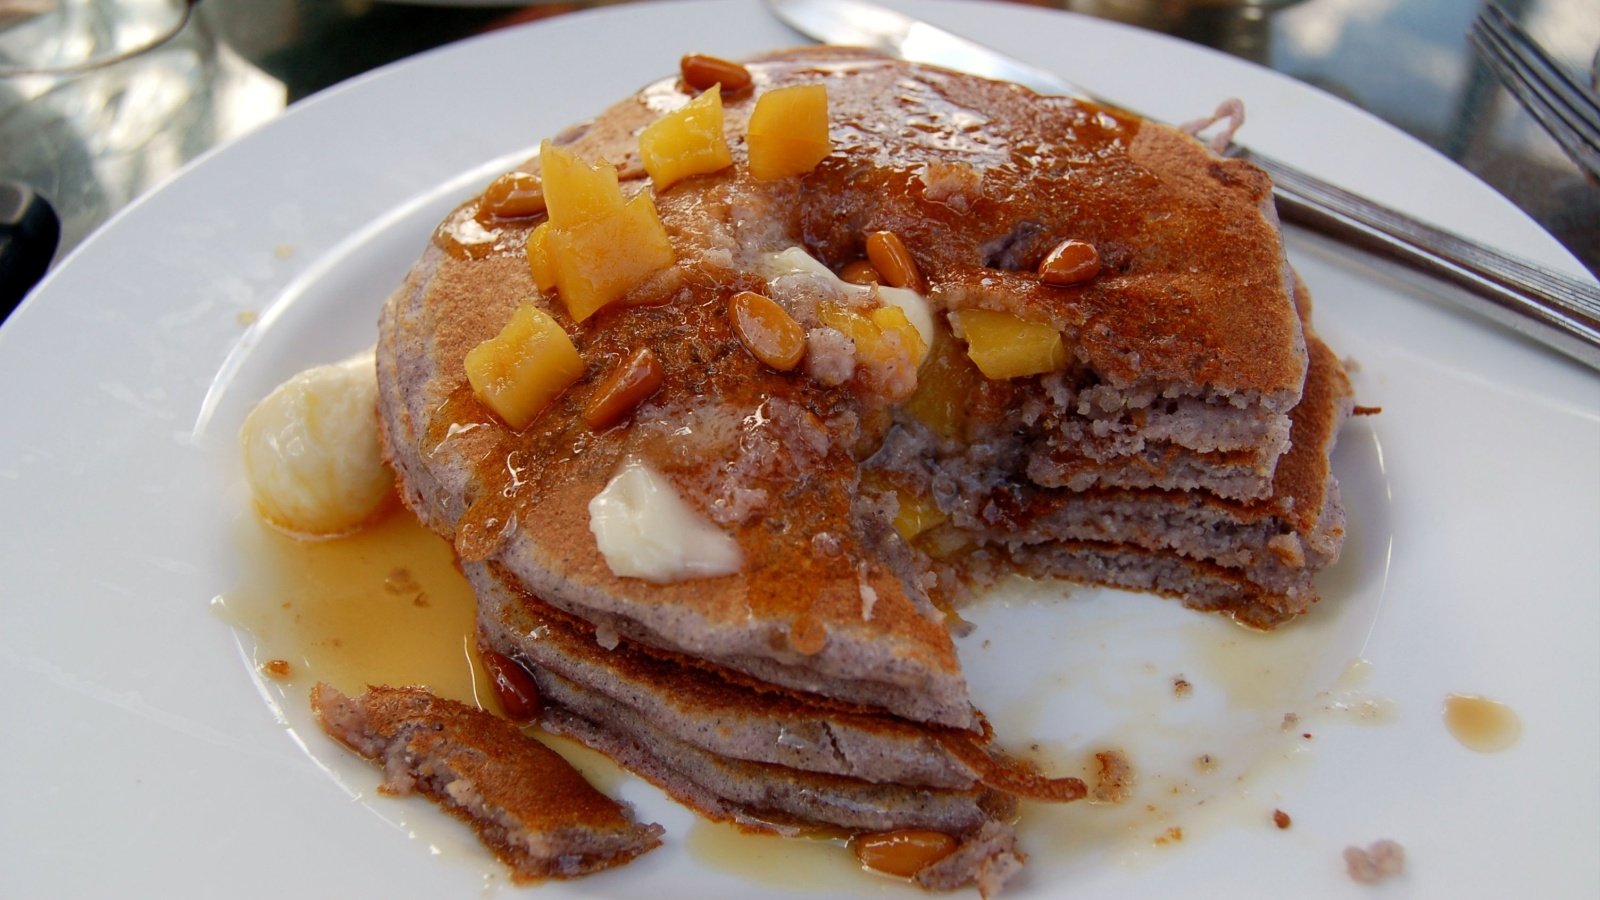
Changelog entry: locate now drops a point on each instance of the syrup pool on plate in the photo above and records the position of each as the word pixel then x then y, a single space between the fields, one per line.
pixel 1481 724
pixel 385 605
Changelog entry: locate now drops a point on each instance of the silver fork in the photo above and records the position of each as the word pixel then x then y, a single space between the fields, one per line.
pixel 1557 101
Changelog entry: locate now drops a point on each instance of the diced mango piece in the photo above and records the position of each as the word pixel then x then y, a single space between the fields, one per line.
pixel 597 247
pixel 575 192
pixel 544 271
pixel 687 141
pixel 944 387
pixel 871 331
pixel 597 261
pixel 518 372
pixel 917 514
pixel 893 319
pixel 788 131
pixel 850 323
pixel 1004 346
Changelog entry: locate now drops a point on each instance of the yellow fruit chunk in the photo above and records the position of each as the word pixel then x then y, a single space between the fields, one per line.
pixel 686 141
pixel 519 371
pixel 1004 346
pixel 597 261
pixel 893 319
pixel 544 272
pixel 575 192
pixel 944 388
pixel 788 131
pixel 881 336
pixel 598 246
pixel 917 514
pixel 852 324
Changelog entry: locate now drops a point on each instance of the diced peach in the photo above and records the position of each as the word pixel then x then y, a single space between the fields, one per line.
pixel 893 319
pixel 871 332
pixel 598 246
pixel 917 514
pixel 575 192
pixel 850 323
pixel 599 260
pixel 1005 346
pixel 944 387
pixel 788 131
pixel 687 141
pixel 544 271
pixel 518 372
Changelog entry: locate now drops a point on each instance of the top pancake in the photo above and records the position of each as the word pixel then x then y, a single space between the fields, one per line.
pixel 979 179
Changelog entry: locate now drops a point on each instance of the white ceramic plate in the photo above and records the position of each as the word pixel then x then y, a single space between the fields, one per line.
pixel 141 759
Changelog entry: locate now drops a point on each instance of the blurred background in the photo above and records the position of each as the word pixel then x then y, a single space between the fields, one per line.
pixel 104 110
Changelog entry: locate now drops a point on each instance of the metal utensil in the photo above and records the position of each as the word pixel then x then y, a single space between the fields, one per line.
pixel 1562 106
pixel 1555 309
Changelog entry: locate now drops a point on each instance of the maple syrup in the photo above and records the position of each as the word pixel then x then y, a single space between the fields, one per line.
pixel 385 605
pixel 1481 724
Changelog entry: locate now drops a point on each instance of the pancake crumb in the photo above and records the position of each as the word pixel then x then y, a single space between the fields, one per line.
pixel 1181 686
pixel 1113 780
pixel 1379 862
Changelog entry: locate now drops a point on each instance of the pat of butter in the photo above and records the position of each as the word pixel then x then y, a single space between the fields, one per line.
pixel 645 530
pixel 796 261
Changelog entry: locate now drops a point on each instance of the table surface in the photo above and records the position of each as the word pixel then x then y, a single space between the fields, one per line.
pixel 92 143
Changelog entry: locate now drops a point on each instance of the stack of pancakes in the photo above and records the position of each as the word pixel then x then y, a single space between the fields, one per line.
pixel 1182 449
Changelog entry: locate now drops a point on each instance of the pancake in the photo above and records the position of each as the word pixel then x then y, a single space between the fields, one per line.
pixel 725 714
pixel 1180 443
pixel 1192 318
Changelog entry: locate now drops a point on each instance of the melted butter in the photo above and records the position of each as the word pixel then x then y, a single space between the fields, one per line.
pixel 822 864
pixel 1481 724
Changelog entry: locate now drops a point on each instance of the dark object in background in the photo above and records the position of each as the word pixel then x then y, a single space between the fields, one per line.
pixel 29 231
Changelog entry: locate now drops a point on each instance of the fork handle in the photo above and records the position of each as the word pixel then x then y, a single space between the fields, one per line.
pixel 1559 311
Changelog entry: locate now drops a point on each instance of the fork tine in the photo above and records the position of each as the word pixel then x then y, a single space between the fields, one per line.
pixel 1545 73
pixel 1529 90
pixel 1577 136
pixel 1585 154
pixel 1541 76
